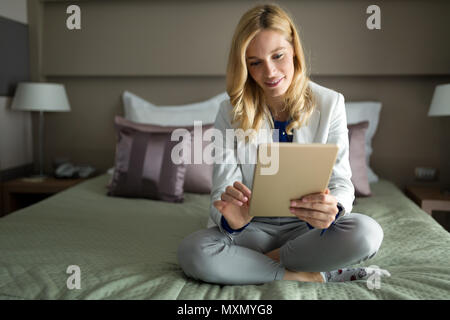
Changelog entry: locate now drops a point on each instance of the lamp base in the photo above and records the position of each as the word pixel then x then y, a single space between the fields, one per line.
pixel 36 178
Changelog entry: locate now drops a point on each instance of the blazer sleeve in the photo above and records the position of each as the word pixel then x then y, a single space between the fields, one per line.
pixel 340 184
pixel 226 169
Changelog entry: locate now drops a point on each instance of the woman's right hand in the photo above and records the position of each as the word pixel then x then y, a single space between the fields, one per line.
pixel 234 205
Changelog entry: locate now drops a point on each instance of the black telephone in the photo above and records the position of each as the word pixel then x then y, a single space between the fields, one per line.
pixel 69 170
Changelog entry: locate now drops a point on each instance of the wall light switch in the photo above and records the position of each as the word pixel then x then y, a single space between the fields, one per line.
pixel 425 173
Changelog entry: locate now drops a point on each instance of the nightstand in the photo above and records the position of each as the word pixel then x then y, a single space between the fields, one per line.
pixel 22 192
pixel 429 198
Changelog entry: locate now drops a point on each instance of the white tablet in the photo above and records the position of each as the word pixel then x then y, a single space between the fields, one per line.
pixel 302 169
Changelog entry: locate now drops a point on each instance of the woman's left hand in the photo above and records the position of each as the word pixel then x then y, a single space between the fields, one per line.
pixel 318 209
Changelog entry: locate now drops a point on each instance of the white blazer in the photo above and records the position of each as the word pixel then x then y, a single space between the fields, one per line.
pixel 327 124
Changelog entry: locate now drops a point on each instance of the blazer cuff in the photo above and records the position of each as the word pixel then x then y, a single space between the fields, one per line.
pixel 227 227
pixel 340 213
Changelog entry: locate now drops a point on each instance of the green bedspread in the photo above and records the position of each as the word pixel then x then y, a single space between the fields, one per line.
pixel 126 249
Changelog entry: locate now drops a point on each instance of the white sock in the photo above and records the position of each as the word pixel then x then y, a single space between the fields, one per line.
pixel 351 274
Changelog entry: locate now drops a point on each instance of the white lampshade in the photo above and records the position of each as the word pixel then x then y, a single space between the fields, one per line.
pixel 440 104
pixel 40 96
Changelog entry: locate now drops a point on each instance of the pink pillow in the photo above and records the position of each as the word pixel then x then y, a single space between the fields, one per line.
pixel 360 179
pixel 198 177
pixel 144 166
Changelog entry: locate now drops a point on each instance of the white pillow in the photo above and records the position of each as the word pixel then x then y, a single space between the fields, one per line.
pixel 141 111
pixel 365 111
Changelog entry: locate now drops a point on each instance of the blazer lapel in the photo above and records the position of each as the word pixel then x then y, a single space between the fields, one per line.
pixel 307 133
pixel 265 135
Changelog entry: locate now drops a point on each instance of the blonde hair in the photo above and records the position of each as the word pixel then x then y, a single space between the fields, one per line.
pixel 246 97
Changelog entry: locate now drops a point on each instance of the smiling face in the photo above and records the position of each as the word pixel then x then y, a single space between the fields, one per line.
pixel 270 63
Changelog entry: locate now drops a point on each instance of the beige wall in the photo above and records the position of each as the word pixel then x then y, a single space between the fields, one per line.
pixel 15 10
pixel 15 127
pixel 15 136
pixel 131 38
pixel 174 52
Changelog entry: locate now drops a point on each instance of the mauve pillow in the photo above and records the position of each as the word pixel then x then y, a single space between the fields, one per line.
pixel 143 164
pixel 198 177
pixel 357 150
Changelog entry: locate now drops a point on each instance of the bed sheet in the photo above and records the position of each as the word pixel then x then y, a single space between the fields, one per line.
pixel 126 249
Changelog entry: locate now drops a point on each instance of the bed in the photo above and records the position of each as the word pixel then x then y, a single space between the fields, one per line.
pixel 125 248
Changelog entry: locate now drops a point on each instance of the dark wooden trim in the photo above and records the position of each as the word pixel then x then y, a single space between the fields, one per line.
pixel 11 174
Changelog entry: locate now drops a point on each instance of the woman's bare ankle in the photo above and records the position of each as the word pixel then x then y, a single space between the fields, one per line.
pixel 274 254
pixel 303 276
pixel 293 275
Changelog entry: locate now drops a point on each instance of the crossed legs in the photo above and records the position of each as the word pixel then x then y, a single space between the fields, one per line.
pixel 264 252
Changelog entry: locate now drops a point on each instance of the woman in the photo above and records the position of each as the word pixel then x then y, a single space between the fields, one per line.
pixel 269 87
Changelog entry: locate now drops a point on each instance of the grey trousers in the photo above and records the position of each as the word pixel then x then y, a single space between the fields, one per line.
pixel 212 256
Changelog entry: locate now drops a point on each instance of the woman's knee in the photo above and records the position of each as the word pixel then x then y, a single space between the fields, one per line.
pixel 367 234
pixel 195 253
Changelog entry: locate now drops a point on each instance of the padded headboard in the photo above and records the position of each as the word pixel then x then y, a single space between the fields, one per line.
pixel 175 52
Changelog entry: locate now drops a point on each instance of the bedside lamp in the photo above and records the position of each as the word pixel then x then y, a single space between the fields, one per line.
pixel 440 106
pixel 38 96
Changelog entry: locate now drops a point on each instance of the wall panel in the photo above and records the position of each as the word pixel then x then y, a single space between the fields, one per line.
pixel 192 37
